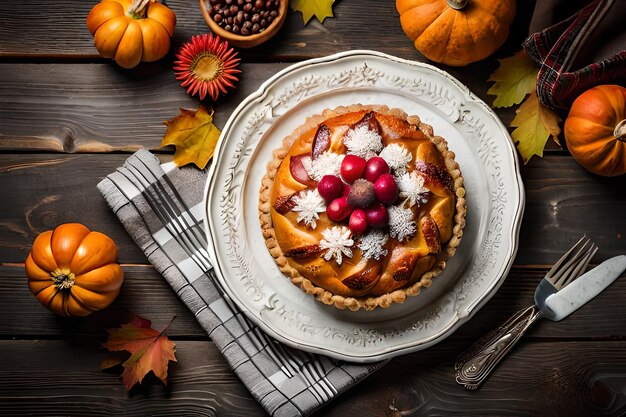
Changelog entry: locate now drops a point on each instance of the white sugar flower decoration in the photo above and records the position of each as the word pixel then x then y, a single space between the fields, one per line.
pixel 372 245
pixel 308 204
pixel 396 156
pixel 363 142
pixel 411 187
pixel 401 223
pixel 338 242
pixel 328 163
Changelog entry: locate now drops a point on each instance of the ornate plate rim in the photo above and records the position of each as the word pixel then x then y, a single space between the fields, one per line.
pixel 458 320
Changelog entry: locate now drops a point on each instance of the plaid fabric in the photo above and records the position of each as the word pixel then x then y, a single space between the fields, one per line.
pixel 555 49
pixel 161 207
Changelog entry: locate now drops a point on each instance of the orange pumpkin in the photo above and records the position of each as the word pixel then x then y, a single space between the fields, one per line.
pixel 456 32
pixel 73 271
pixel 595 130
pixel 131 31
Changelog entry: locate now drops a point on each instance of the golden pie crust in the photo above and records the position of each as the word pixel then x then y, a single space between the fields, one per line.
pixel 408 266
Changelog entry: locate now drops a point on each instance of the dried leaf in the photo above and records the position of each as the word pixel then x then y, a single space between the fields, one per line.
pixel 194 135
pixel 149 350
pixel 321 9
pixel 514 79
pixel 550 121
pixel 530 134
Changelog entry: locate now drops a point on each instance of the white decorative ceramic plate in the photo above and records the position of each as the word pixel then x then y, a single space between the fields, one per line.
pixel 495 203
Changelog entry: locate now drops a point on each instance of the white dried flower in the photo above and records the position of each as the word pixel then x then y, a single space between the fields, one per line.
pixel 401 222
pixel 328 163
pixel 397 157
pixel 338 242
pixel 308 204
pixel 411 187
pixel 363 142
pixel 373 245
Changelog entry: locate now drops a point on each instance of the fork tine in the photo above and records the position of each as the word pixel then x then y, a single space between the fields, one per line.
pixel 566 270
pixel 556 267
pixel 581 266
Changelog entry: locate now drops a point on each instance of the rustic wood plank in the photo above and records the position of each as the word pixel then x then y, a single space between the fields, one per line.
pixel 96 108
pixel 146 293
pixel 580 379
pixel 27 26
pixel 563 203
pixel 99 107
pixel 548 379
pixel 44 378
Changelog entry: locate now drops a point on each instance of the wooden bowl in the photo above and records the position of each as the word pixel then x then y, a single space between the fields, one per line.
pixel 249 41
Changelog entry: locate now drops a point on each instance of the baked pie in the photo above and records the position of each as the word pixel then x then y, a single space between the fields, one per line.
pixel 362 205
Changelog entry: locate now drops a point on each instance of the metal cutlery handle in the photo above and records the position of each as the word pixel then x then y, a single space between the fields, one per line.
pixel 474 366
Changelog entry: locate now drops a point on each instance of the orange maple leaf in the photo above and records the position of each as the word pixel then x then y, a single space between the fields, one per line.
pixel 149 350
pixel 194 135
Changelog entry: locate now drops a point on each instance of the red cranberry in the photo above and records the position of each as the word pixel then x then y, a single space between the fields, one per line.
pixel 375 167
pixel 346 190
pixel 330 187
pixel 338 209
pixel 377 215
pixel 352 168
pixel 386 189
pixel 358 221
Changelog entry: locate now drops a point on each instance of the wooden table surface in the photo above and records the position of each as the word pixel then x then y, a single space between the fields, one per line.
pixel 69 117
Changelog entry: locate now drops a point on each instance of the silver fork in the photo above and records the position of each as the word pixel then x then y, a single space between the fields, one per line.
pixel 474 366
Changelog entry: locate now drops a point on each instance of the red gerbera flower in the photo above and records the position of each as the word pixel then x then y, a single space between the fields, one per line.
pixel 207 66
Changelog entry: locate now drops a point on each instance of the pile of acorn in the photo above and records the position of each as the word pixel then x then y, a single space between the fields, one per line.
pixel 364 201
pixel 244 17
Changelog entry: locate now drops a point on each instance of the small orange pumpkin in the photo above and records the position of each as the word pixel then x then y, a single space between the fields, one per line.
pixel 456 32
pixel 74 271
pixel 131 31
pixel 595 130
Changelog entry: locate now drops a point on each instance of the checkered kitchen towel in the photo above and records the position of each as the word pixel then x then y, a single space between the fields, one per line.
pixel 161 207
pixel 586 48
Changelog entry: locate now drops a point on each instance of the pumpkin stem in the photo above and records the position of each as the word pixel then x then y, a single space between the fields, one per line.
pixel 457 4
pixel 138 9
pixel 63 278
pixel 620 131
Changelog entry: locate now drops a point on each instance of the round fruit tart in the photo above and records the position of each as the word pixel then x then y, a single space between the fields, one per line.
pixel 362 205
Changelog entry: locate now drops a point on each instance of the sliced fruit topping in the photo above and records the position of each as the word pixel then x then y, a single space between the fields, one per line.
pixel 435 174
pixel 321 141
pixel 431 234
pixel 303 251
pixel 298 170
pixel 284 203
pixel 363 279
pixel 369 121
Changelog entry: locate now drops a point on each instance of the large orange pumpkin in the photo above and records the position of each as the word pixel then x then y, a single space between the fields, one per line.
pixel 456 32
pixel 595 130
pixel 131 31
pixel 73 271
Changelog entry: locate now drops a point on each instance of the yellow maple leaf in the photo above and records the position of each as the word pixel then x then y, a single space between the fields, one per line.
pixel 514 79
pixel 194 135
pixel 321 9
pixel 530 122
pixel 550 121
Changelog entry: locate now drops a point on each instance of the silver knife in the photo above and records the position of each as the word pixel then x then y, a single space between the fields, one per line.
pixel 473 368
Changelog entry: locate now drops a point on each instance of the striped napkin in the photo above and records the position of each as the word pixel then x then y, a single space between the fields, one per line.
pixel 161 207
